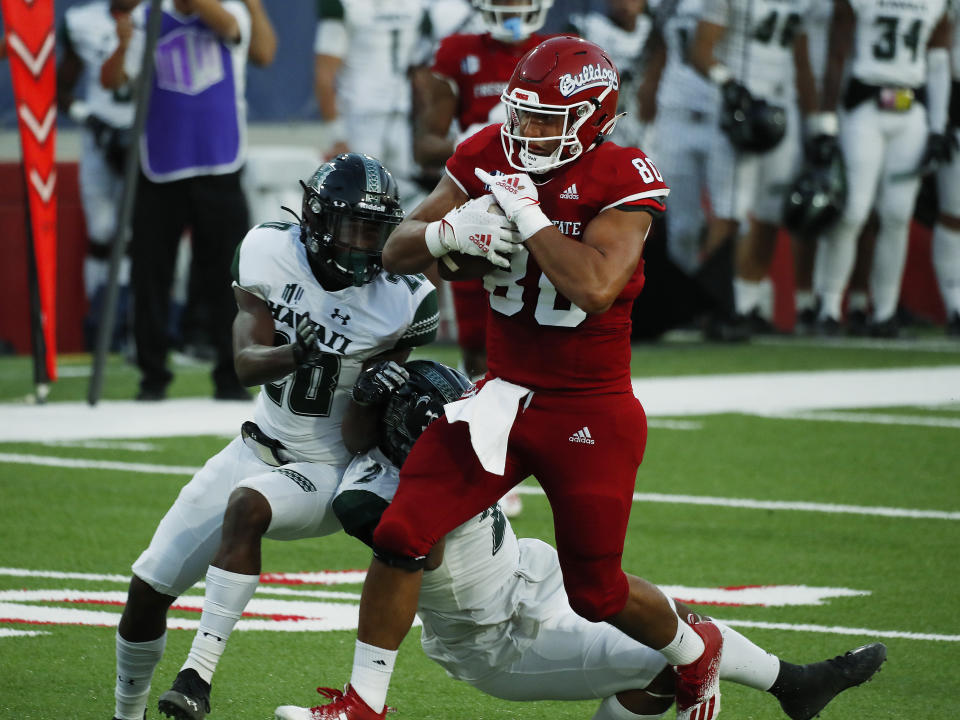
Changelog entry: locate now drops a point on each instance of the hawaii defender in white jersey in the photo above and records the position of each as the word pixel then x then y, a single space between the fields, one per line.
pixel 892 129
pixel 363 52
pixel 684 106
pixel 622 30
pixel 88 36
pixel 495 614
pixel 946 234
pixel 756 51
pixel 314 310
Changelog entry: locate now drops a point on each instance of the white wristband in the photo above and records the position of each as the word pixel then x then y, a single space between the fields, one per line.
pixel 334 131
pixel 822 123
pixel 719 74
pixel 79 111
pixel 530 221
pixel 432 237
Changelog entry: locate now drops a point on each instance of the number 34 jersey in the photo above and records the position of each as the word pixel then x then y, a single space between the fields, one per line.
pixel 891 36
pixel 305 410
pixel 536 337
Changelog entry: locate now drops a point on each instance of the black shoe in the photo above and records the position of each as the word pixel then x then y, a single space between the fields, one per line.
pixel 720 328
pixel 953 325
pixel 829 327
pixel 234 392
pixel 857 325
pixel 889 328
pixel 806 323
pixel 758 325
pixel 151 394
pixel 804 690
pixel 188 699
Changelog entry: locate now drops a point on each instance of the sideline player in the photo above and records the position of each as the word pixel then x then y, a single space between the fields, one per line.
pixel 363 52
pixel 495 614
pixel 622 30
pixel 557 402
pixel 89 35
pixel 890 136
pixel 467 76
pixel 755 52
pixel 314 309
pixel 682 106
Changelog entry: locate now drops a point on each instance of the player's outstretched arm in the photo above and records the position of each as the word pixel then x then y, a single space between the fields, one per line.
pixel 255 358
pixel 839 44
pixel 377 382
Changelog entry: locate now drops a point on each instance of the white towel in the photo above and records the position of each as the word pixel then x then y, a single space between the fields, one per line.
pixel 490 414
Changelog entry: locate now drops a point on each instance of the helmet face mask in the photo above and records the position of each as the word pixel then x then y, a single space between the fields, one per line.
pixel 417 404
pixel 561 102
pixel 350 207
pixel 513 20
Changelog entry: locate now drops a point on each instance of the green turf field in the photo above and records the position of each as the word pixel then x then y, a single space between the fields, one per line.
pixel 821 500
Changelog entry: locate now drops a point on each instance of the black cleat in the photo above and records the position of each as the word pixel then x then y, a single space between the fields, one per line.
pixel 188 699
pixel 804 690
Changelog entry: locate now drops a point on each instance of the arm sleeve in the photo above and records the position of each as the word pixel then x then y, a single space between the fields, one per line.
pixel 242 14
pixel 716 12
pixel 423 328
pixel 331 38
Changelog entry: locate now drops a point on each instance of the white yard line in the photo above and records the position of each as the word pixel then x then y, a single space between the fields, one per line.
pixel 839 630
pixel 746 503
pixel 869 418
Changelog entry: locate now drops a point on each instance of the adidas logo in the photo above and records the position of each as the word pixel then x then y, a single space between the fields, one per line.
pixel 570 193
pixel 482 241
pixel 583 436
pixel 510 183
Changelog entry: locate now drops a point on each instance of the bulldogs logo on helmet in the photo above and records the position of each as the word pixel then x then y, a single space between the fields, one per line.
pixel 513 20
pixel 564 79
pixel 350 206
pixel 417 404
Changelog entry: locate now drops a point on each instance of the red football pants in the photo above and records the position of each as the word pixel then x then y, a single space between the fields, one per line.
pixel 583 450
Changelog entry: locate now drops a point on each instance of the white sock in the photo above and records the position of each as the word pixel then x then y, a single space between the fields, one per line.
pixel 804 300
pixel 135 665
pixel 833 265
pixel 889 259
pixel 857 300
pixel 766 299
pixel 227 594
pixel 747 295
pixel 611 709
pixel 745 663
pixel 946 262
pixel 372 668
pixel 685 647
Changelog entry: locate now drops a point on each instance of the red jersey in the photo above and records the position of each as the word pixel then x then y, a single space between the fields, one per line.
pixel 480 67
pixel 535 336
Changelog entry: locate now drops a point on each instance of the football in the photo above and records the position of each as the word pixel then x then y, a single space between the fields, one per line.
pixel 460 266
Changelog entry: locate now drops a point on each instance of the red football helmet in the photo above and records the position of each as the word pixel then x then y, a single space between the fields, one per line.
pixel 564 79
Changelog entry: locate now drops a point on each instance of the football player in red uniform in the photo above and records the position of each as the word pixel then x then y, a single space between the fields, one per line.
pixel 558 402
pixel 467 76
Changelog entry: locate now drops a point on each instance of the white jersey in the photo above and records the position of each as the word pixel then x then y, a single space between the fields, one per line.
pixel 625 48
pixel 305 410
pixel 890 40
pixel 758 43
pixel 681 86
pixel 91 32
pixel 486 602
pixel 377 41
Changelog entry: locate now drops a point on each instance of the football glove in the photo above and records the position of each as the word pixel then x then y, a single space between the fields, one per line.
pixel 306 349
pixel 939 152
pixel 822 150
pixel 518 197
pixel 472 229
pixel 378 382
